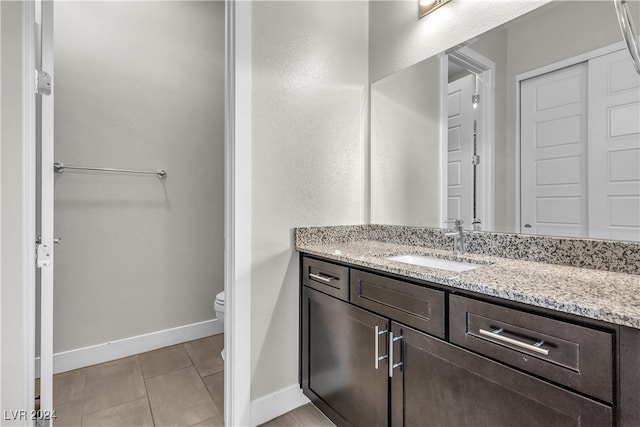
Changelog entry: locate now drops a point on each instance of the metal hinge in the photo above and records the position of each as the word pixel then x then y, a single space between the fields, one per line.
pixel 43 255
pixel 475 159
pixel 43 82
pixel 475 99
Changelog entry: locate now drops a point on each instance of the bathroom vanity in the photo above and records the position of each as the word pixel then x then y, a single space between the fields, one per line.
pixel 509 343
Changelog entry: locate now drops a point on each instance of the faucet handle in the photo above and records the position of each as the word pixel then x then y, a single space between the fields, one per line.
pixel 455 221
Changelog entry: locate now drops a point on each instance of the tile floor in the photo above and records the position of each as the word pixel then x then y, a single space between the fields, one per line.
pixel 181 385
pixel 304 416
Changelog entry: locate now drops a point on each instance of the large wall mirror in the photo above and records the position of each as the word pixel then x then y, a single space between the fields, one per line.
pixel 532 127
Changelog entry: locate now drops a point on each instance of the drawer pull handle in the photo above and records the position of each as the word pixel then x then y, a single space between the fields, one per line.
pixel 325 279
pixel 392 365
pixel 377 333
pixel 496 335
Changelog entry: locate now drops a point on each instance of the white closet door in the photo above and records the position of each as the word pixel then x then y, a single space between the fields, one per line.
pixel 553 109
pixel 614 148
pixel 460 151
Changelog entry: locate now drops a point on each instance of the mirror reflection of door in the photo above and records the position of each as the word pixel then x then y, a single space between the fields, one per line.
pixel 460 174
pixel 580 150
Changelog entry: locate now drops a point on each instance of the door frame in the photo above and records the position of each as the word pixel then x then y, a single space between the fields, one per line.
pixel 28 200
pixel 237 208
pixel 237 263
pixel 484 68
pixel 535 73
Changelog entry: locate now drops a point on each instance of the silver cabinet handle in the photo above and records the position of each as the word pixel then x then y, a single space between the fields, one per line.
pixel 496 335
pixel 392 365
pixel 324 279
pixel 377 333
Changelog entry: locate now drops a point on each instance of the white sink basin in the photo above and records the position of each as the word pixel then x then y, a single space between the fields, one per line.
pixel 431 262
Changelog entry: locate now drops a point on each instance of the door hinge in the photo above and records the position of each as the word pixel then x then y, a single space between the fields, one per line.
pixel 475 159
pixel 475 100
pixel 43 255
pixel 43 82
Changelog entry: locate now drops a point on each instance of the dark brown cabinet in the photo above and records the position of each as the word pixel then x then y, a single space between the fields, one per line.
pixel 439 384
pixel 339 372
pixel 377 351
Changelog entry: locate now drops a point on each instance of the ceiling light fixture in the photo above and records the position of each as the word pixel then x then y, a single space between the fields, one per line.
pixel 428 6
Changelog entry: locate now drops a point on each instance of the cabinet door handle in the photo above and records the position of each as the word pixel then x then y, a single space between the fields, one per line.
pixel 392 365
pixel 496 335
pixel 324 279
pixel 377 333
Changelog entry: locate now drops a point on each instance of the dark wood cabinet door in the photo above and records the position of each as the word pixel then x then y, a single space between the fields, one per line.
pixel 338 360
pixel 439 384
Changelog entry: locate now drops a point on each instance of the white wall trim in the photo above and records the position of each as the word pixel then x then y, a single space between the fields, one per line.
pixel 277 403
pixel 112 350
pixel 237 263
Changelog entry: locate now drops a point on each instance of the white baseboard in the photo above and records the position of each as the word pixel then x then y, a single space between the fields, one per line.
pixel 105 352
pixel 277 403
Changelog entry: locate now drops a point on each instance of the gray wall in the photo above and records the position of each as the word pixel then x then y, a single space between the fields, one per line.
pixel 309 120
pixel 139 85
pixel 13 353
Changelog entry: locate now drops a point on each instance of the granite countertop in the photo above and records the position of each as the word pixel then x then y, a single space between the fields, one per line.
pixel 602 295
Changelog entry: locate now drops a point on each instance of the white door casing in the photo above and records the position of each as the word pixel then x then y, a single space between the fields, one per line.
pixel 553 114
pixel 484 70
pixel 614 148
pixel 460 116
pixel 46 181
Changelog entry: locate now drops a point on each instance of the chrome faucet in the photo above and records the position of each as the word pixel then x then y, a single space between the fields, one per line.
pixel 458 235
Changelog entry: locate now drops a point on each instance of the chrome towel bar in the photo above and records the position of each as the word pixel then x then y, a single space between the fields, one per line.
pixel 59 168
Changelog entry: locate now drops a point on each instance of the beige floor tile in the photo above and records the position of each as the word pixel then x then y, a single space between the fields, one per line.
pixel 113 383
pixel 217 421
pixel 286 420
pixel 69 386
pixel 205 354
pixel 69 414
pixel 215 385
pixel 180 398
pixel 130 414
pixel 309 415
pixel 164 360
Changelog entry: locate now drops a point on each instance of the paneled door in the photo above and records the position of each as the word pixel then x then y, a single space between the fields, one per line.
pixel 553 132
pixel 580 150
pixel 460 150
pixel 614 148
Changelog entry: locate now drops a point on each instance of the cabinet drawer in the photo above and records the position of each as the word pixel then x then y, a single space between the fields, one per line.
pixel 326 277
pixel 575 356
pixel 413 305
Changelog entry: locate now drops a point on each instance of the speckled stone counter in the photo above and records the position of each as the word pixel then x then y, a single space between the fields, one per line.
pixel 609 296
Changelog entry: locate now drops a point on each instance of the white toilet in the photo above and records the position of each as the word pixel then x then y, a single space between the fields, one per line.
pixel 219 307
